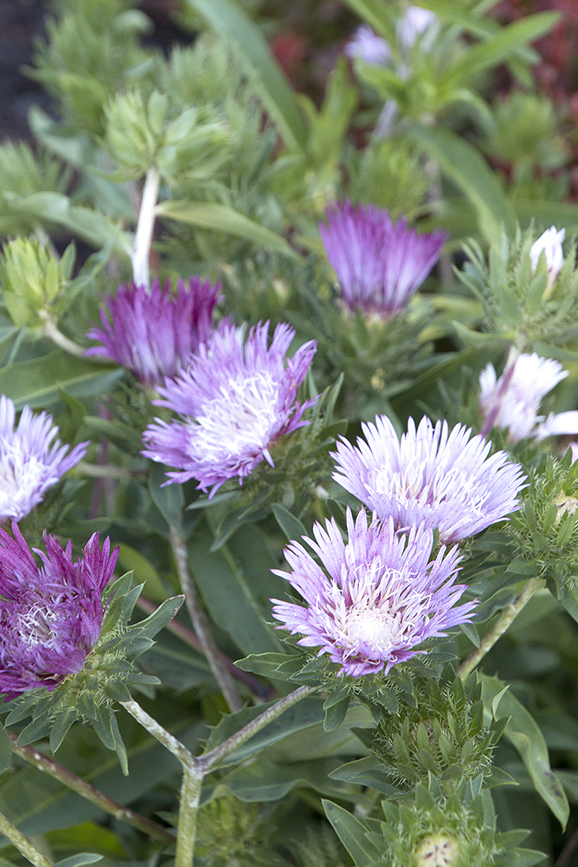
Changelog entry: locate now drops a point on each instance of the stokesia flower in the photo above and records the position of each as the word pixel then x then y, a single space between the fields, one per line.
pixel 377 597
pixel 513 401
pixel 31 460
pixel 51 614
pixel 440 478
pixel 550 244
pixel 235 400
pixel 153 334
pixel 379 264
pixel 367 46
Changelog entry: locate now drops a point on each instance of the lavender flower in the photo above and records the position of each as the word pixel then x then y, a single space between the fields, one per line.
pixel 379 264
pixel 513 401
pixel 444 480
pixel 366 45
pixel 414 24
pixel 30 460
pixel 550 244
pixel 51 614
pixel 377 597
pixel 153 334
pixel 235 401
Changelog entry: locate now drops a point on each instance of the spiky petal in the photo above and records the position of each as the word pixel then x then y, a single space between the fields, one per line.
pixel 379 264
pixel 235 399
pixel 513 401
pixel 375 598
pixel 440 478
pixel 153 334
pixel 51 614
pixel 31 459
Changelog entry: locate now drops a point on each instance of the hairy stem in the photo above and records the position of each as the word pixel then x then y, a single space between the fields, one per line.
pixel 51 330
pixel 188 815
pixel 154 728
pixel 20 842
pixel 209 760
pixel 507 616
pixel 201 624
pixel 144 229
pixel 85 790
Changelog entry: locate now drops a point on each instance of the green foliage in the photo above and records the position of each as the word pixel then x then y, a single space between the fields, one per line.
pixel 34 282
pixel 520 305
pixel 389 174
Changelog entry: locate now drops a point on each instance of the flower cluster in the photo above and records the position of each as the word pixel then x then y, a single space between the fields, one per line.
pixel 379 264
pixel 51 614
pixel 513 401
pixel 31 459
pixel 154 333
pixel 377 596
pixel 235 399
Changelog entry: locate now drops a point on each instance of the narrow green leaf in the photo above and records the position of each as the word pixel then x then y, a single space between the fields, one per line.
pixel 5 749
pixel 169 499
pixel 525 735
pixel 79 860
pixel 231 22
pixel 291 526
pixel 222 218
pixel 466 167
pixel 352 834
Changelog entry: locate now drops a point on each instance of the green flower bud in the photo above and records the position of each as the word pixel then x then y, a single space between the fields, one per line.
pixel 33 280
pixel 437 850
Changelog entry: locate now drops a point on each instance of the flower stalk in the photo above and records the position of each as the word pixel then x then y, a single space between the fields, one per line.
pixel 144 230
pixel 506 618
pixel 51 330
pixel 20 842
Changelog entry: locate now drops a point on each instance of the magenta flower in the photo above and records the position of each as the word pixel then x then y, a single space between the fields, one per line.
pixel 51 614
pixel 433 476
pixel 377 597
pixel 235 400
pixel 153 334
pixel 379 264
pixel 31 460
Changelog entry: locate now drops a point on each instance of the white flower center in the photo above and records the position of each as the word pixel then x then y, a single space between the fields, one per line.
pixel 36 626
pixel 240 420
pixel 370 627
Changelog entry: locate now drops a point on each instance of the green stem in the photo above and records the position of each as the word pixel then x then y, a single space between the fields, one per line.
pixel 500 626
pixel 51 330
pixel 23 845
pixel 107 471
pixel 85 790
pixel 157 731
pixel 188 814
pixel 209 760
pixel 201 624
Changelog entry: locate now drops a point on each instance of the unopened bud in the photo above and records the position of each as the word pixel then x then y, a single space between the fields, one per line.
pixel 549 243
pixel 437 850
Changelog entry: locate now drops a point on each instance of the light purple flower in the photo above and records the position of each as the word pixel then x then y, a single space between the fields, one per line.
pixel 366 45
pixel 414 24
pixel 31 460
pixel 439 478
pixel 377 597
pixel 51 614
pixel 235 400
pixel 513 401
pixel 379 264
pixel 153 334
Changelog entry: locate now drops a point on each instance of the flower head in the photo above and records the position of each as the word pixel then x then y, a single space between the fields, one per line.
pixel 513 401
pixel 549 243
pixel 153 334
pixel 377 598
pixel 433 476
pixel 235 400
pixel 379 264
pixel 31 460
pixel 366 45
pixel 51 614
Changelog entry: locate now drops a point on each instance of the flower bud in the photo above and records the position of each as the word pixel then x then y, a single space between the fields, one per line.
pixel 33 280
pixel 549 243
pixel 437 850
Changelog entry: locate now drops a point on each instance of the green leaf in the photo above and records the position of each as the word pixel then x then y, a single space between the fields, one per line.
pixel 144 571
pixel 230 21
pixel 5 749
pixel 79 860
pixel 169 499
pixel 38 381
pixel 291 526
pixel 222 218
pixel 523 732
pixel 352 834
pixel 158 619
pixel 467 168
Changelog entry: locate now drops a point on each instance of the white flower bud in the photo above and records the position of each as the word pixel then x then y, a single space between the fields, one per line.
pixel 549 243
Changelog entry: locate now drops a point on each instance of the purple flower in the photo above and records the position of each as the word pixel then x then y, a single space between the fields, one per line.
pixel 154 333
pixel 30 460
pixel 51 614
pixel 235 400
pixel 513 401
pixel 366 45
pixel 439 478
pixel 377 597
pixel 379 264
